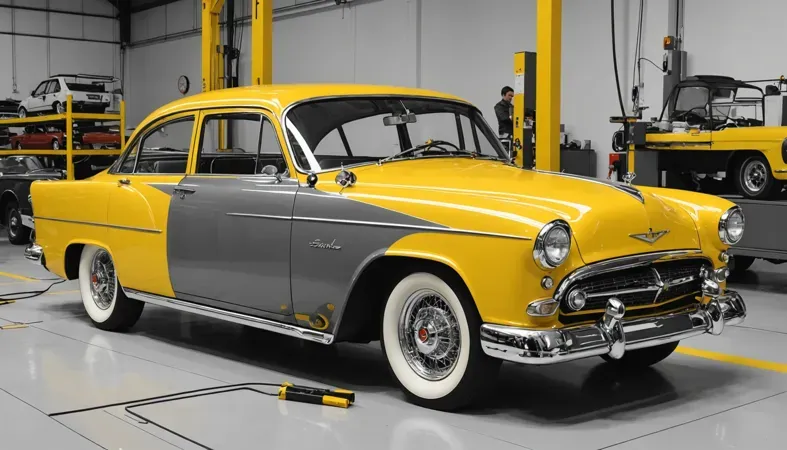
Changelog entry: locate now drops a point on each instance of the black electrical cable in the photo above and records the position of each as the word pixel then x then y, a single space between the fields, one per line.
pixel 661 69
pixel 29 294
pixel 638 46
pixel 615 59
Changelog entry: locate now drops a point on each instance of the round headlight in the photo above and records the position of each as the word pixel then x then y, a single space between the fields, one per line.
pixel 552 245
pixel 731 226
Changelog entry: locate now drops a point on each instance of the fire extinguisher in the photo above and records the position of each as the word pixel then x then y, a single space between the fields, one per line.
pixel 615 164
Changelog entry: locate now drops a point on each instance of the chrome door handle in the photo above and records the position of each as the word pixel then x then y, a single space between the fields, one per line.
pixel 124 181
pixel 182 191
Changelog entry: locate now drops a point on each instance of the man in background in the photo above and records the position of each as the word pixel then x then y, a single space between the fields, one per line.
pixel 503 111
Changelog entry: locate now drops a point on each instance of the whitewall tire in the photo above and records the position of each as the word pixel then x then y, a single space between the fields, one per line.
pixel 102 296
pixel 430 335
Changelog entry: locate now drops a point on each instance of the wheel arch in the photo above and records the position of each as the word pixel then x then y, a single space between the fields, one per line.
pixel 737 157
pixel 73 253
pixel 7 196
pixel 360 318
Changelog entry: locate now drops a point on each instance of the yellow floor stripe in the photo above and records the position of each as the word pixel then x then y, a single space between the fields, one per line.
pixel 732 359
pixel 62 292
pixel 16 277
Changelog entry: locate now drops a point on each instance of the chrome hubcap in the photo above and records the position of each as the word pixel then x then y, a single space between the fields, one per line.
pixel 755 174
pixel 429 335
pixel 102 279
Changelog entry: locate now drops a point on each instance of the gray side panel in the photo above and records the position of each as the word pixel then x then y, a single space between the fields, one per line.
pixel 322 276
pixel 229 241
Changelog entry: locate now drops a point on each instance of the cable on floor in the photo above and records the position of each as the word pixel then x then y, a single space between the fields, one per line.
pixel 12 296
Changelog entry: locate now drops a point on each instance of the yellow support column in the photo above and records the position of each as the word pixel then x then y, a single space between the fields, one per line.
pixel 519 105
pixel 548 47
pixel 122 124
pixel 262 42
pixel 210 40
pixel 69 138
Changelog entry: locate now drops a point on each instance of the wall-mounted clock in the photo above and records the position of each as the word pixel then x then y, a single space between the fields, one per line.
pixel 183 84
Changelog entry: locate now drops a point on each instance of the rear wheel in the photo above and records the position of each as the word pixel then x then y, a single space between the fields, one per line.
pixel 55 144
pixel 431 339
pixel 642 358
pixel 18 234
pixel 103 297
pixel 19 145
pixel 754 178
pixel 22 113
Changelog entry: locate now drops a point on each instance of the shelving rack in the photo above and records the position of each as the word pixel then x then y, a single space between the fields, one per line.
pixel 68 119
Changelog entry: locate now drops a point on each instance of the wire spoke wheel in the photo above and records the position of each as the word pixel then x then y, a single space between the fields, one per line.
pixel 755 176
pixel 429 335
pixel 102 280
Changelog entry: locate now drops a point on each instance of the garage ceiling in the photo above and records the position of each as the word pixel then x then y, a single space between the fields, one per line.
pixel 141 5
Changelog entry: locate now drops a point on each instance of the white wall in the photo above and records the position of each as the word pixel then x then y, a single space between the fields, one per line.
pixel 36 58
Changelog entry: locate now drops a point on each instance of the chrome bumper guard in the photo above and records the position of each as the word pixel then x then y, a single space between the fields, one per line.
pixel 34 252
pixel 611 335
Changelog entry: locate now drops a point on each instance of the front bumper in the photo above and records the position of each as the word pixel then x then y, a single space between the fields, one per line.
pixel 34 253
pixel 611 335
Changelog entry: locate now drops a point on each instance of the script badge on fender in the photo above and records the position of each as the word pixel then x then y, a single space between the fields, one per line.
pixel 651 236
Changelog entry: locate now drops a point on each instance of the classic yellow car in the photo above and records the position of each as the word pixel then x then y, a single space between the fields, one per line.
pixel 355 213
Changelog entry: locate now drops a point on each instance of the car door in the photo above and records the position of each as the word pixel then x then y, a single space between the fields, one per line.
pixel 233 212
pixel 36 101
pixel 137 217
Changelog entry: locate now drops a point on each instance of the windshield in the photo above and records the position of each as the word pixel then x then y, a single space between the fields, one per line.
pixel 726 104
pixel 19 164
pixel 329 134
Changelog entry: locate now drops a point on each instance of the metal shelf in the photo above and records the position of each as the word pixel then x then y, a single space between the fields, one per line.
pixel 68 119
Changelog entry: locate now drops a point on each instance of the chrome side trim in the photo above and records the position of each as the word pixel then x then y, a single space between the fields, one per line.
pixel 259 216
pixel 243 319
pixel 781 171
pixel 625 262
pixel 612 335
pixel 96 224
pixel 412 227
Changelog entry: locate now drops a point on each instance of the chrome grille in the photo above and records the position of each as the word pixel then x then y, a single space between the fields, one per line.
pixel 649 284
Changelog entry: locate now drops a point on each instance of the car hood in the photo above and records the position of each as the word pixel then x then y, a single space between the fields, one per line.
pixel 492 197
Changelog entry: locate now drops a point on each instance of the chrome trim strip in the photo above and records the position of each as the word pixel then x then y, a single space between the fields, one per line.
pixel 96 224
pixel 413 227
pixel 555 345
pixel 259 216
pixel 624 291
pixel 780 170
pixel 243 319
pixel 610 265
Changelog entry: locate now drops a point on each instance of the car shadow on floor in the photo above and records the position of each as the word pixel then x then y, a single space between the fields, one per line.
pixel 763 281
pixel 572 392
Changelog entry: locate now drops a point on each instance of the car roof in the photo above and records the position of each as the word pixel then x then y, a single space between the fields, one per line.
pixel 716 81
pixel 278 97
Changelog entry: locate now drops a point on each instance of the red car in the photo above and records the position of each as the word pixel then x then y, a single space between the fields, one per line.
pixel 99 139
pixel 39 137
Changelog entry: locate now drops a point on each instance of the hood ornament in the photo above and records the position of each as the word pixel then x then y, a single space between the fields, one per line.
pixel 649 237
pixel 629 177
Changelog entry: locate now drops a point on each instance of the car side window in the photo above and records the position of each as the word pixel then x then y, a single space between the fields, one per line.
pixel 165 147
pixel 54 87
pixel 41 88
pixel 239 143
pixel 129 159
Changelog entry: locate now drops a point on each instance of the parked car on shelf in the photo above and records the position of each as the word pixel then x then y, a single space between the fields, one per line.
pixel 101 137
pixel 89 94
pixel 357 213
pixel 40 137
pixel 16 174
pixel 8 110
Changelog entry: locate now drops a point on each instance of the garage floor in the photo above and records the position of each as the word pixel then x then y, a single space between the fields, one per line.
pixel 67 385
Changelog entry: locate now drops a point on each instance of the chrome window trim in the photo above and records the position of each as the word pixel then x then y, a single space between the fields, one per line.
pixel 258 216
pixel 625 262
pixel 96 224
pixel 285 128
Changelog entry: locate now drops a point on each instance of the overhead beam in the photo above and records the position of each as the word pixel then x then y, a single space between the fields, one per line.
pixel 149 5
pixel 58 11
pixel 548 49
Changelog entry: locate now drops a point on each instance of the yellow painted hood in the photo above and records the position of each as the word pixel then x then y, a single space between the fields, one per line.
pixel 488 196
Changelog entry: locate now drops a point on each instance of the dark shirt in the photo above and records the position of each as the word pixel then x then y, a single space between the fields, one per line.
pixel 503 113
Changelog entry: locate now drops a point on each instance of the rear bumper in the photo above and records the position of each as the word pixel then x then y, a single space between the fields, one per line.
pixel 611 335
pixel 34 253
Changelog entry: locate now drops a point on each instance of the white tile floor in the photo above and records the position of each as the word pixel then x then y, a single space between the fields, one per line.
pixel 62 363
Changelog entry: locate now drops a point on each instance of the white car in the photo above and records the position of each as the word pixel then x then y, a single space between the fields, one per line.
pixel 89 94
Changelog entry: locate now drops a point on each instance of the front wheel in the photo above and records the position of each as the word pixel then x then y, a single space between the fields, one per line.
pixel 22 113
pixel 103 297
pixel 18 234
pixel 430 336
pixel 740 264
pixel 755 180
pixel 58 108
pixel 644 357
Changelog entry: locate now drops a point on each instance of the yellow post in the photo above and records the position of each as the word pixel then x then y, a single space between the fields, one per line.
pixel 122 124
pixel 261 42
pixel 69 138
pixel 210 41
pixel 519 105
pixel 548 47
